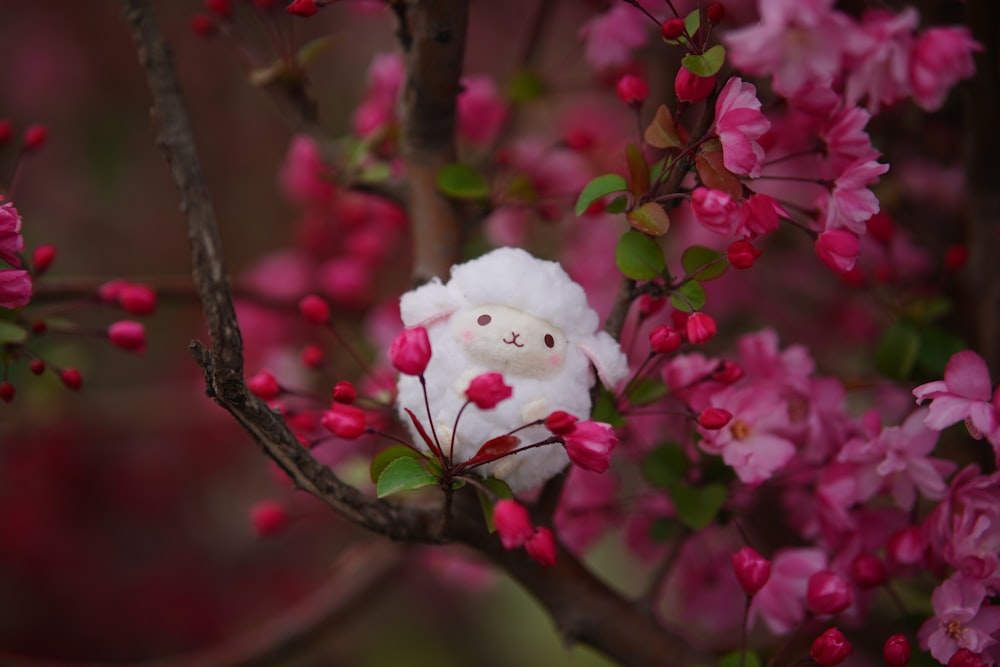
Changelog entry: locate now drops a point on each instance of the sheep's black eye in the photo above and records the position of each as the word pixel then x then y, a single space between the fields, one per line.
pixel 549 341
pixel 484 320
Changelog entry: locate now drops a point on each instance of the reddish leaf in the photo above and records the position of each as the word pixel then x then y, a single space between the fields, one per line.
pixel 638 170
pixel 713 174
pixel 423 434
pixel 494 449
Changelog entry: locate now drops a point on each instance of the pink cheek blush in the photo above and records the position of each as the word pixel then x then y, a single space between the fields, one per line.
pixel 555 360
pixel 466 335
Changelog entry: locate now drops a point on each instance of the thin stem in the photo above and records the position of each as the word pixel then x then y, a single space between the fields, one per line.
pixel 454 431
pixel 430 420
pixel 542 443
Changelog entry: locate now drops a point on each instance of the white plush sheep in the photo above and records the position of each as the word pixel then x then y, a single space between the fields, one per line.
pixel 511 313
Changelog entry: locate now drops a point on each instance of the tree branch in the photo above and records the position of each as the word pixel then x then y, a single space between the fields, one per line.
pixel 433 34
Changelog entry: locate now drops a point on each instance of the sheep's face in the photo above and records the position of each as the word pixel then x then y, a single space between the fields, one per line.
pixel 509 341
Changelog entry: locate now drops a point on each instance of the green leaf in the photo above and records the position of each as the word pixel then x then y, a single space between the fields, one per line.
pixel 646 390
pixel 666 465
pixel 650 218
pixel 638 256
pixel 597 188
pixel 750 659
pixel 462 181
pixel 662 529
pixel 501 490
pixel 378 172
pixel 403 474
pixel 638 170
pixel 692 22
pixel 689 297
pixel 661 131
pixel 936 348
pixel 525 86
pixel 617 205
pixel 897 351
pixel 12 333
pixel 606 411
pixel 705 64
pixel 387 456
pixel 313 49
pixel 697 507
pixel 697 256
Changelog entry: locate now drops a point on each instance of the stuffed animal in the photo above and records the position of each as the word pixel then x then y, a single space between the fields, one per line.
pixel 514 314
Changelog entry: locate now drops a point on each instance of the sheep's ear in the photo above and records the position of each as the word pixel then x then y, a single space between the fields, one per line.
pixel 607 357
pixel 426 304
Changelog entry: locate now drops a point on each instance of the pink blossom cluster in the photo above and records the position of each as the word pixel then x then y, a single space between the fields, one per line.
pixel 15 282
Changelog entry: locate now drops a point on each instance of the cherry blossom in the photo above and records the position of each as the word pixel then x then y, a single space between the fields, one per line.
pixel 740 125
pixel 880 72
pixel 960 619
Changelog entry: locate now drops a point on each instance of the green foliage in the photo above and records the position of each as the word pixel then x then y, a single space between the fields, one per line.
pixel 650 218
pixel 696 260
pixel 689 297
pixel 597 188
pixel 897 351
pixel 403 474
pixel 525 86
pixel 733 659
pixel 462 181
pixel 697 506
pixel 705 64
pixel 666 465
pixel 638 169
pixel 12 333
pixel 645 391
pixel 661 132
pixel 639 257
pixel 606 411
pixel 387 456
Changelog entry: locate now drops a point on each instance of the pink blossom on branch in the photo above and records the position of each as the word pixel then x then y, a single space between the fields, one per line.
pixel 740 124
pixel 11 241
pixel 589 445
pixel 481 110
pixel 964 394
pixel 15 288
pixel 961 620
pixel 838 249
pixel 941 58
pixel 715 210
pixel 610 38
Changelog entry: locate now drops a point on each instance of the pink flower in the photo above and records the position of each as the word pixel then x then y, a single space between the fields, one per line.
pixel 850 203
pixel 740 124
pixel 742 254
pixel 880 72
pixel 410 351
pixel 843 133
pixel 542 547
pixel 378 108
pixel 964 394
pixel 610 38
pixel 512 523
pixel 781 601
pixel 128 335
pixel 941 58
pixel 632 90
pixel 344 421
pixel 264 385
pixel 690 88
pixel 960 619
pixel 838 249
pixel 664 339
pixel 896 651
pixel 965 527
pixel 830 648
pixel 11 241
pixel 700 328
pixel 268 518
pixel 752 570
pixel 715 210
pixel 589 445
pixel 798 42
pixel 759 214
pixel 561 423
pixel 304 177
pixel 15 288
pixel 302 7
pixel 482 111
pixel 136 299
pixel 487 390
pixel 315 309
pixel 828 593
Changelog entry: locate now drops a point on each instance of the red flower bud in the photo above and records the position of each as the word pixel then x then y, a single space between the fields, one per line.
pixel 268 518
pixel 302 7
pixel 727 372
pixel 700 328
pixel 487 390
pixel 838 249
pixel 71 378
pixel 828 593
pixel 264 385
pixel 344 392
pixel 410 351
pixel 715 12
pixel 37 366
pixel 512 523
pixel 42 258
pixel 136 299
pixel 752 570
pixel 6 392
pixel 830 648
pixel 589 445
pixel 344 421
pixel 880 227
pixel 692 88
pixel 742 254
pixel 664 339
pixel 223 8
pixel 650 305
pixel 35 137
pixel 561 423
pixel 5 131
pixel 956 256
pixel 128 335
pixel 315 309
pixel 867 571
pixel 907 546
pixel 963 657
pixel 202 25
pixel 714 418
pixel 313 356
pixel 896 651
pixel 542 547
pixel 632 90
pixel 672 28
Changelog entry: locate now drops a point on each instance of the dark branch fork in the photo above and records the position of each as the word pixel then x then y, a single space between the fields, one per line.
pixel 584 608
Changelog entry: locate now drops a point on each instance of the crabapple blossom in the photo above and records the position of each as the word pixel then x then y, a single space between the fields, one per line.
pixel 691 88
pixel 752 570
pixel 700 328
pixel 965 527
pixel 942 57
pixel 742 254
pixel 410 351
pixel 35 137
pixel 560 422
pixel 960 620
pixel 268 518
pixel 849 203
pixel 963 657
pixel 71 378
pixel 672 28
pixel 715 210
pixel 481 111
pixel 128 335
pixel 302 7
pixel 867 571
pixel 759 214
pixel 964 394
pixel 15 288
pixel 664 339
pixel 838 249
pixel 830 648
pixel 7 391
pixel 488 389
pixel 781 601
pixel 714 418
pixel 879 72
pixel 11 241
pixel 632 90
pixel 610 38
pixel 828 593
pixel 42 257
pixel 136 299
pixel 264 385
pixel 344 392
pixel 896 651
pixel 589 445
pixel 740 124
pixel 542 547
pixel 377 110
pixel 344 421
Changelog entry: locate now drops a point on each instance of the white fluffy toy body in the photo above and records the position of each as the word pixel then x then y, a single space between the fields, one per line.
pixel 510 313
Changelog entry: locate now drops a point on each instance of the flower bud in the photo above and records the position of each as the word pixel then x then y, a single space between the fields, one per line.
pixel 838 249
pixel 963 657
pixel 650 305
pixel 302 7
pixel 632 90
pixel 542 547
pixel 264 385
pixel 715 13
pixel 5 131
pixel 742 254
pixel 410 351
pixel 906 546
pixel 896 651
pixel 136 299
pixel 728 372
pixel 128 335
pixel 956 256
pixel 561 423
pixel 752 570
pixel 867 571
pixel 223 8
pixel 7 391
pixel 714 418
pixel 37 366
pixel 313 356
pixel 344 421
pixel 828 593
pixel 35 137
pixel 512 523
pixel 590 444
pixel 71 378
pixel 692 88
pixel 700 328
pixel 830 648
pixel 42 258
pixel 344 392
pixel 202 25
pixel 315 309
pixel 672 28
pixel 268 518
pixel 487 390
pixel 664 339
